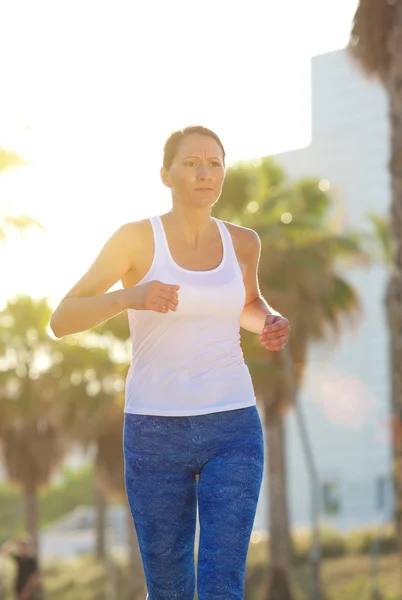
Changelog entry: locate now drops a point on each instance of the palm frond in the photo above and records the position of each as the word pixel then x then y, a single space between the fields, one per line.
pixel 382 237
pixel 20 223
pixel 10 159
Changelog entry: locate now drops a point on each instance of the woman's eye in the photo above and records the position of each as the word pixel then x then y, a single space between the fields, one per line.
pixel 191 163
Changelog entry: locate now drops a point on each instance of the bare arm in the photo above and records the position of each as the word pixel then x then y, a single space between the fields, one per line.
pixel 256 308
pixel 86 304
pixel 257 316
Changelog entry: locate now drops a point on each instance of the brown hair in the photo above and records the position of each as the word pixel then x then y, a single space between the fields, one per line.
pixel 173 142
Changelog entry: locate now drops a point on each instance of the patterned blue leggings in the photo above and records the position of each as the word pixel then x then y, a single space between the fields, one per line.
pixel 163 455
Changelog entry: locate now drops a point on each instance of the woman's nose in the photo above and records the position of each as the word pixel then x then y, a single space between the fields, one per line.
pixel 203 172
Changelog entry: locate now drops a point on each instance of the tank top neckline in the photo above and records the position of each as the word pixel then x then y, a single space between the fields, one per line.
pixel 200 272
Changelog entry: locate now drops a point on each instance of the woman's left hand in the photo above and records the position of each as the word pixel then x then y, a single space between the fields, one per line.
pixel 275 334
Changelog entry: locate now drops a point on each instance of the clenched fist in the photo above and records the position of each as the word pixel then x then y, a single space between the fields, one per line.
pixel 154 295
pixel 275 334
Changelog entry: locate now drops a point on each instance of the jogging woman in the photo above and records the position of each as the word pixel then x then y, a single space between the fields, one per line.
pixel 192 433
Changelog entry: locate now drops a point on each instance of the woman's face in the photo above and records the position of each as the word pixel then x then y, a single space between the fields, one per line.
pixel 197 172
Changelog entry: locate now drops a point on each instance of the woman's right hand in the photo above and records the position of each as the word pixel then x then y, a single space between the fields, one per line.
pixel 154 295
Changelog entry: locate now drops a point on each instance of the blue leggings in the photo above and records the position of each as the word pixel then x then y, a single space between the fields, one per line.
pixel 163 455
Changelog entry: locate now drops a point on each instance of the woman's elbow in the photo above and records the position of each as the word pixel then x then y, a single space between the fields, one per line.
pixel 56 325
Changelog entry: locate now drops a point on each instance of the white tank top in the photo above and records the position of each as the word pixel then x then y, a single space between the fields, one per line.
pixel 190 362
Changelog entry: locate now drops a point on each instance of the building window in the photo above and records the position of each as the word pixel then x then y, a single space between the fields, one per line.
pixel 331 496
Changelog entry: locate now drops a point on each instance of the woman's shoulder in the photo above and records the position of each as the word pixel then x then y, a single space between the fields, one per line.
pixel 131 227
pixel 243 237
pixel 135 232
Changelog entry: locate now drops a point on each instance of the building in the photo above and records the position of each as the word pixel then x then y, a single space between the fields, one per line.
pixel 345 397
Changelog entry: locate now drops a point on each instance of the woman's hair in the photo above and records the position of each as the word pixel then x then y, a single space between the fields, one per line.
pixel 173 142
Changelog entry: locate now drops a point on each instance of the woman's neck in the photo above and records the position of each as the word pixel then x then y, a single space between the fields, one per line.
pixel 191 223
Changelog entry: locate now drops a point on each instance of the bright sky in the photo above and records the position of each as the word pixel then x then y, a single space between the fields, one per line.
pixel 102 84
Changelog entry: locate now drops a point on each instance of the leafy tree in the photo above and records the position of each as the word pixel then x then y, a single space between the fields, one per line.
pixel 48 391
pixel 376 45
pixel 99 424
pixel 30 412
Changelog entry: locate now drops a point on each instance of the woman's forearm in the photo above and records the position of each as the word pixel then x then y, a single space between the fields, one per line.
pixel 254 314
pixel 76 314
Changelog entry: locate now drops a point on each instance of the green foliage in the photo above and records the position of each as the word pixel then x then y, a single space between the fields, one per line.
pixel 30 408
pixel 10 159
pixel 381 242
pixel 83 578
pixel 362 541
pixel 345 574
pixel 345 578
pixel 10 511
pixel 75 489
pixel 56 392
pixel 333 545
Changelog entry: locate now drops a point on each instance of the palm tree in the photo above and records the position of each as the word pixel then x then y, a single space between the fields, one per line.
pixel 54 394
pixel 109 465
pixel 98 423
pixel 42 383
pixel 376 45
pixel 91 381
pixel 29 407
pixel 299 277
pixel 109 457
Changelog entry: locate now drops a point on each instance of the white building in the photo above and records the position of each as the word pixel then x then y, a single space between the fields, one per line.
pixel 346 392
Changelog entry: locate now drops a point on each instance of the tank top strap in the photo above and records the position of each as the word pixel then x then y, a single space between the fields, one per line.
pixel 159 241
pixel 227 242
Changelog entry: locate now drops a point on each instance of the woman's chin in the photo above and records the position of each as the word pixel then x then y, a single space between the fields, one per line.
pixel 204 200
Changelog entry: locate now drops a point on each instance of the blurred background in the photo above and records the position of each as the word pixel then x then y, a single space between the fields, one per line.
pixel 307 99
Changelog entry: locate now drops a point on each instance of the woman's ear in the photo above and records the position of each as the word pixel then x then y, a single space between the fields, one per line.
pixel 165 177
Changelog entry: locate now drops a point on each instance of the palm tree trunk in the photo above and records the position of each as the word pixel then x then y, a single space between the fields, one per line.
pixel 279 523
pixel 31 512
pixel 101 510
pixel 136 580
pixel 315 491
pixel 394 297
pixel 394 306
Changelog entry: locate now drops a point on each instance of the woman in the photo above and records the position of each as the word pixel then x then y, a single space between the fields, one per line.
pixel 192 432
